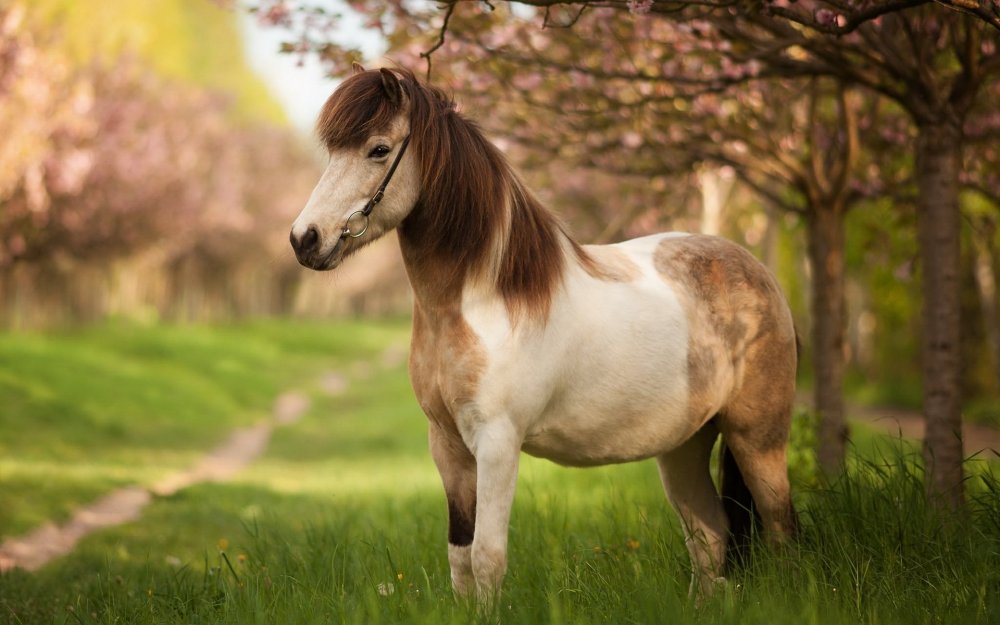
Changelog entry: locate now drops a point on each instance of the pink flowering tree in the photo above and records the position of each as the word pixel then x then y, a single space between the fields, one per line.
pixel 108 162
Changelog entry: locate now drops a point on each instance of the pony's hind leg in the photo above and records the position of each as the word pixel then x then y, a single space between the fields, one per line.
pixel 755 427
pixel 765 470
pixel 457 467
pixel 688 482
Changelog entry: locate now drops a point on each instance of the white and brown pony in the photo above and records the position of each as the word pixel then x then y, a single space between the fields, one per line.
pixel 524 340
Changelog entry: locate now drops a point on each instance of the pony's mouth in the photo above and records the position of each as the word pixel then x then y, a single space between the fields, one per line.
pixel 324 262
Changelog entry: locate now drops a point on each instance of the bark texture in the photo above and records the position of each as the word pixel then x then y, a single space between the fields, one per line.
pixel 939 226
pixel 826 254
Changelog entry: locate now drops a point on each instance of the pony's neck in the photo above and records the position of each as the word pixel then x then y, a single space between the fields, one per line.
pixel 519 258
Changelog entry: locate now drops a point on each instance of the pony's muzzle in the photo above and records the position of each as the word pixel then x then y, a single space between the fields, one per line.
pixel 309 249
pixel 305 246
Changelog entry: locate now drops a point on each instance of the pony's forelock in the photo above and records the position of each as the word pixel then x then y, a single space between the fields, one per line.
pixel 358 109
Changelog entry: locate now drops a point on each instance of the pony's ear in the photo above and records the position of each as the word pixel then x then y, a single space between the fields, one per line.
pixel 390 83
pixel 357 67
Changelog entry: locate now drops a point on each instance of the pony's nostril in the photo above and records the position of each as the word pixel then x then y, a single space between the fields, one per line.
pixel 310 239
pixel 307 242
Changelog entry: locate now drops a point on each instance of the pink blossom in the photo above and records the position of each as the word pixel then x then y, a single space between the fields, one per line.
pixel 278 14
pixel 527 82
pixel 17 245
pixel 631 139
pixel 640 7
pixel 825 17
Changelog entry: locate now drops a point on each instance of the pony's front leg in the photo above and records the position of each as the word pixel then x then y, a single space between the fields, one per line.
pixel 496 446
pixel 688 482
pixel 457 467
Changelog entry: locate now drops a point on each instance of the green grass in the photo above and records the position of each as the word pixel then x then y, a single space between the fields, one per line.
pixel 84 411
pixel 347 501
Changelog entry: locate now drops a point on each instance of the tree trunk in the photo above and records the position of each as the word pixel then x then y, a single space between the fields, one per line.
pixel 826 255
pixel 939 149
pixel 712 192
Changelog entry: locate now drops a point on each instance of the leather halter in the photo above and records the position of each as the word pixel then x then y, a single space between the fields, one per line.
pixel 377 197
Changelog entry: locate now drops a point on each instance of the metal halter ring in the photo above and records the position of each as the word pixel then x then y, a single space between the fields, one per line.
pixel 347 225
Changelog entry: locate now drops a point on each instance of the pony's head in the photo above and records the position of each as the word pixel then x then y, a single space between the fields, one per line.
pixel 456 201
pixel 363 125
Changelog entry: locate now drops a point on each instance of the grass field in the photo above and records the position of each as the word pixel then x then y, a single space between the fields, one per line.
pixel 84 411
pixel 343 519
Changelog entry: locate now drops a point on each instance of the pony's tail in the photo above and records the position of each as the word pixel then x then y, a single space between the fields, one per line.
pixel 737 501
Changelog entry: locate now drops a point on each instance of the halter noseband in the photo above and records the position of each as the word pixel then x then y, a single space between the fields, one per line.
pixel 377 197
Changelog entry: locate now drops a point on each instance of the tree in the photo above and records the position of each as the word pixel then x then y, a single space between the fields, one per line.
pixel 108 169
pixel 933 64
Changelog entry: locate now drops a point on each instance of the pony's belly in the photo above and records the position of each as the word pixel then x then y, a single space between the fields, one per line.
pixel 592 432
pixel 567 448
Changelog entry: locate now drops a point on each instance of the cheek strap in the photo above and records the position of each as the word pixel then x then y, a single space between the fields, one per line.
pixel 376 197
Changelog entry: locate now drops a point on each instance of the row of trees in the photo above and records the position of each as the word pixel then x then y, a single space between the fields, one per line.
pixel 122 189
pixel 819 107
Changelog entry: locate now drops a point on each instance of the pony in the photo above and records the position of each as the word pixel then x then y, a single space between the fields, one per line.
pixel 525 340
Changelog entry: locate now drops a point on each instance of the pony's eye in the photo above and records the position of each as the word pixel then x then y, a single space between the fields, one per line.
pixel 379 151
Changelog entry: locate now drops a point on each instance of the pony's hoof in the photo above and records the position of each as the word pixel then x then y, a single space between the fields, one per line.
pixel 707 588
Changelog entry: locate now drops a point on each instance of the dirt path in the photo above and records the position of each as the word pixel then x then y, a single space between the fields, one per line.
pixel 33 550
pixel 976 439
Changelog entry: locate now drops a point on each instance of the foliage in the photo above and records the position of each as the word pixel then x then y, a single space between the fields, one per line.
pixel 802 464
pixel 192 42
pixel 106 161
pixel 882 256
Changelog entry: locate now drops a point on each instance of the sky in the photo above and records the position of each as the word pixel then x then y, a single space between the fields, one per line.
pixel 301 90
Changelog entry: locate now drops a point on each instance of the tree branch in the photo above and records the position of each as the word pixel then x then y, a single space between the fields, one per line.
pixel 440 42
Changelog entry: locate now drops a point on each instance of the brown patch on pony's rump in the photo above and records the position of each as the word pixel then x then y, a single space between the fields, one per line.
pixel 762 408
pixel 734 307
pixel 605 262
pixel 701 368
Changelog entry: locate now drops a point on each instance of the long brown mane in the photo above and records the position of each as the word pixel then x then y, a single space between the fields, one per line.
pixel 473 211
